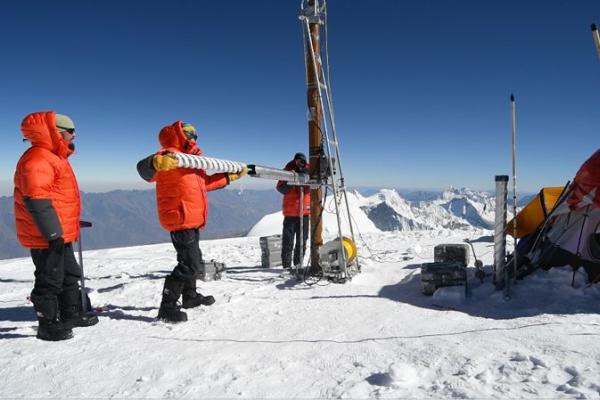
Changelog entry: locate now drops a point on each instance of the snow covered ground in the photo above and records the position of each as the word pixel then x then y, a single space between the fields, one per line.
pixel 270 336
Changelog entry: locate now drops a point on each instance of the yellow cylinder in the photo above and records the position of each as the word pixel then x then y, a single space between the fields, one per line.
pixel 350 248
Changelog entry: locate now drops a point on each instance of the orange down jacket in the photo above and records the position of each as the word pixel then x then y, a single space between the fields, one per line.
pixel 181 192
pixel 44 172
pixel 291 197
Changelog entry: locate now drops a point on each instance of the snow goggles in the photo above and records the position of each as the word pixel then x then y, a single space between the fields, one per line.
pixel 70 130
pixel 190 135
pixel 189 131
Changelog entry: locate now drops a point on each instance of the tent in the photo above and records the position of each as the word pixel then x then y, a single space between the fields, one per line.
pixel 561 226
pixel 535 212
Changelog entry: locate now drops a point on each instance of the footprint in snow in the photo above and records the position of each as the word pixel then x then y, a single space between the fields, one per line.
pixel 518 357
pixel 398 374
pixel 538 362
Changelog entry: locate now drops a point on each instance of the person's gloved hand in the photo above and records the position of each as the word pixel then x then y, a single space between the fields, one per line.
pixel 235 177
pixel 57 245
pixel 165 162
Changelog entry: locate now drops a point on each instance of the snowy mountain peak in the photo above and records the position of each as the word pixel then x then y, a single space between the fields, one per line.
pixel 454 208
pixel 452 193
pixel 387 210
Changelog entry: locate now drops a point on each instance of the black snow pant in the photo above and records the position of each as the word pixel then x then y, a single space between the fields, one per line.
pixel 291 230
pixel 189 255
pixel 55 272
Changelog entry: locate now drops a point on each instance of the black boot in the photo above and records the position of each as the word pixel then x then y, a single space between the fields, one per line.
pixel 71 310
pixel 49 325
pixel 169 309
pixel 191 298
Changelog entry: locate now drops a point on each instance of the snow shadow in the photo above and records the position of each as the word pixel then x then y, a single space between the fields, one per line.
pixel 483 239
pixel 292 283
pixel 535 295
pixel 17 314
pixel 245 274
pixel 380 379
pixel 4 335
pixel 117 313
pixel 538 294
pixel 130 278
pixel 3 280
pixel 149 275
pixel 263 275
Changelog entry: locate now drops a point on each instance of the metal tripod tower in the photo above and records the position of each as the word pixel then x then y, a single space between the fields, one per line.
pixel 326 167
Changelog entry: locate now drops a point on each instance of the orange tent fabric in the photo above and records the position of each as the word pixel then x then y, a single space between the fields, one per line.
pixel 534 213
pixel 586 183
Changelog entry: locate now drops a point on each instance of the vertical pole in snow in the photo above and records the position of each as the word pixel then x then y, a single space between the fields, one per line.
pixel 514 171
pixel 315 143
pixel 596 39
pixel 84 305
pixel 301 241
pixel 500 230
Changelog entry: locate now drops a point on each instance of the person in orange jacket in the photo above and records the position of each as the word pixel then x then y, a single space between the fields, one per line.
pixel 292 209
pixel 47 210
pixel 182 210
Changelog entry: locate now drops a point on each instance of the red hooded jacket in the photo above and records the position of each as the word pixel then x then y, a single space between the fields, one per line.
pixel 44 172
pixel 291 195
pixel 181 192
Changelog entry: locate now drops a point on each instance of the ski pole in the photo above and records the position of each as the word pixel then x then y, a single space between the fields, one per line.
pixel 84 305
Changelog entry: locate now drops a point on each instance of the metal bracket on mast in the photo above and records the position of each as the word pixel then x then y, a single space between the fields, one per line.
pixel 312 12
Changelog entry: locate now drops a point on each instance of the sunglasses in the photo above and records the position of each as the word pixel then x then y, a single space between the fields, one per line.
pixel 70 130
pixel 190 135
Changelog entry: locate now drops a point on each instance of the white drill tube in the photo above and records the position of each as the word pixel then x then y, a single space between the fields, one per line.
pixel 211 164
pixel 233 167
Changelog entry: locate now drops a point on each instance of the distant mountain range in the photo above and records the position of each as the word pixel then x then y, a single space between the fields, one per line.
pixel 129 217
pixel 388 210
pixel 453 208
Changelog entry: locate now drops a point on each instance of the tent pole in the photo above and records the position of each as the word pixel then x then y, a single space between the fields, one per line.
pixel 514 172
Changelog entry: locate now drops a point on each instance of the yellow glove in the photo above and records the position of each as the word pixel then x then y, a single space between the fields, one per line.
pixel 235 177
pixel 165 162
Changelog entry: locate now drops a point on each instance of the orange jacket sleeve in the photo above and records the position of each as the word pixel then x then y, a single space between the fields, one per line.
pixel 216 181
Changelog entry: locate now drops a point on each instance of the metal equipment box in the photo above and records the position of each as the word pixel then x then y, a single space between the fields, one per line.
pixel 439 274
pixel 211 270
pixel 452 253
pixel 270 251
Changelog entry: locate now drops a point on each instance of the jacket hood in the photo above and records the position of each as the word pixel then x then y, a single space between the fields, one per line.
pixel 291 166
pixel 39 128
pixel 172 136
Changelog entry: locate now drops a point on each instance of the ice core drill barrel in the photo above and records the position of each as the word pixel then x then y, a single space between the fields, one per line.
pixel 212 164
pixel 258 171
pixel 233 167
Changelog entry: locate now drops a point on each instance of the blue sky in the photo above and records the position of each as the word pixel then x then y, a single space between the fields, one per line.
pixel 421 88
